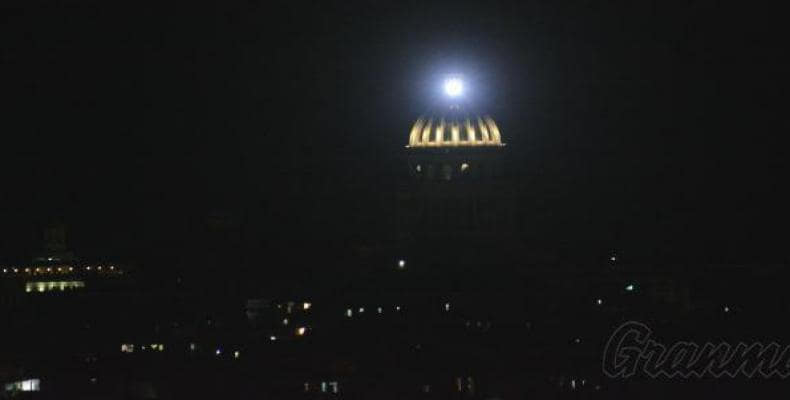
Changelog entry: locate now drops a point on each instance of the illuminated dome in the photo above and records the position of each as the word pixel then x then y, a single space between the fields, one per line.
pixel 455 129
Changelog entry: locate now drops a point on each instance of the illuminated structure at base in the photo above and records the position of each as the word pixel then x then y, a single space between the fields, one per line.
pixel 56 269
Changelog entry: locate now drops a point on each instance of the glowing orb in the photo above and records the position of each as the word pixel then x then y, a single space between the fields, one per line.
pixel 454 87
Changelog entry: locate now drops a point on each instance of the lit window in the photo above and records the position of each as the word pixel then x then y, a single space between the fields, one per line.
pixel 28 385
pixel 306 306
pixel 46 286
pixel 349 313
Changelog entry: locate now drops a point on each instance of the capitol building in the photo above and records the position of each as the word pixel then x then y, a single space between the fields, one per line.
pixel 458 196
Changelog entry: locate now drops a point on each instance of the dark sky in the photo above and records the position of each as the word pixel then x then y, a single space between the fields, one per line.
pixel 659 124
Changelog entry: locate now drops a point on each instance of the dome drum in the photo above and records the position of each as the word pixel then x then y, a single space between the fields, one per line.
pixel 455 132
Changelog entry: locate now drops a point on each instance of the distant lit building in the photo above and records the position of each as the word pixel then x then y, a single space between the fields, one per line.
pixel 56 269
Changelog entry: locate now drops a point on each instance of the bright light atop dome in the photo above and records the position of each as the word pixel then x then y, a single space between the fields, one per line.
pixel 453 87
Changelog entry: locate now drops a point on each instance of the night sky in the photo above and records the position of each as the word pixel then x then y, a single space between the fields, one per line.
pixel 654 124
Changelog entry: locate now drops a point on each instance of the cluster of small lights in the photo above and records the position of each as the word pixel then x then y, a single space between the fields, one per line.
pixel 236 353
pixel 62 269
pixel 159 347
pixel 291 306
pixel 130 348
pixel 380 310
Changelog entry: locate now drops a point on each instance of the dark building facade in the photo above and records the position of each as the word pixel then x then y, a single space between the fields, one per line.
pixel 458 196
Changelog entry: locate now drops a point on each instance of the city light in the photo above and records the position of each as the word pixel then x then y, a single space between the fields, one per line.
pixel 46 286
pixel 28 385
